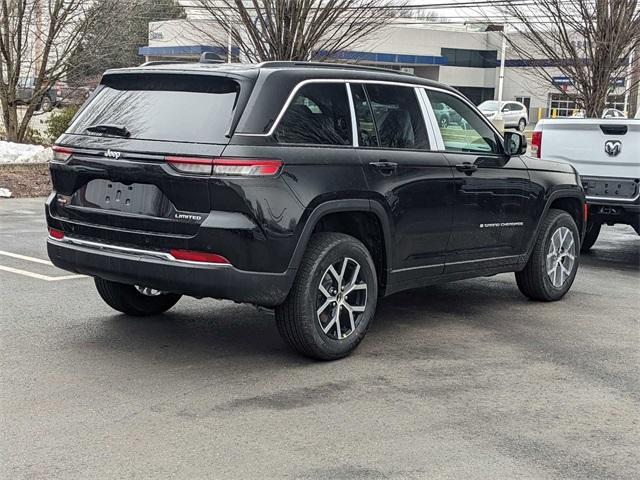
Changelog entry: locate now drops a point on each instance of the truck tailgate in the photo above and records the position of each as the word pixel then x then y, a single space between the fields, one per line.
pixel 595 147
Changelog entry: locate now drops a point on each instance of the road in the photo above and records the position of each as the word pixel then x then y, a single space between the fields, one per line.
pixel 467 380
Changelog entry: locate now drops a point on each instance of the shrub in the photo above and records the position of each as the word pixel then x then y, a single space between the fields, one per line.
pixel 33 136
pixel 59 121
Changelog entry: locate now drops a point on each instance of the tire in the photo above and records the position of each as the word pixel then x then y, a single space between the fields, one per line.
pixel 302 321
pixel 590 236
pixel 128 299
pixel 522 124
pixel 444 122
pixel 46 105
pixel 536 280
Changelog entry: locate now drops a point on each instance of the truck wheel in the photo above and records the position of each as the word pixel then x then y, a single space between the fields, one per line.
pixel 590 236
pixel 553 264
pixel 333 299
pixel 46 105
pixel 135 300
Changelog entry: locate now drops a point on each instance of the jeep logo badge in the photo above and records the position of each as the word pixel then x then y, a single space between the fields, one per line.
pixel 112 154
pixel 613 147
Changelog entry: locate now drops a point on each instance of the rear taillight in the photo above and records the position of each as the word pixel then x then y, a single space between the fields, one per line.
pixel 240 167
pixel 202 166
pixel 61 154
pixel 57 234
pixel 201 257
pixel 536 144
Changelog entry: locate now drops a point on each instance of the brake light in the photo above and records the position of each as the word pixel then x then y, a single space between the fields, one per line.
pixel 57 234
pixel 199 165
pixel 242 167
pixel 61 154
pixel 194 256
pixel 246 167
pixel 536 144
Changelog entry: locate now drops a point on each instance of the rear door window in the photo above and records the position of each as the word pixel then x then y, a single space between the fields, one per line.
pixel 168 107
pixel 398 117
pixel 318 115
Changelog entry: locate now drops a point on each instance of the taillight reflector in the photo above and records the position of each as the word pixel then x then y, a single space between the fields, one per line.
pixel 194 256
pixel 61 154
pixel 241 167
pixel 57 234
pixel 536 144
pixel 585 212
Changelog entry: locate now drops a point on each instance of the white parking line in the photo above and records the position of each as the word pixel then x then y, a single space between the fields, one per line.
pixel 24 257
pixel 46 278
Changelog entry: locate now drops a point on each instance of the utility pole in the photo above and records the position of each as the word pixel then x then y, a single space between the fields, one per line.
pixel 503 54
pixel 630 80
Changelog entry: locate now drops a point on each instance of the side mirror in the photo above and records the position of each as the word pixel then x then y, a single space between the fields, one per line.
pixel 505 109
pixel 515 143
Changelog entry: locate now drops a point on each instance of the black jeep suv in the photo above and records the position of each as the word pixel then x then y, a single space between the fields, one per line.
pixel 314 189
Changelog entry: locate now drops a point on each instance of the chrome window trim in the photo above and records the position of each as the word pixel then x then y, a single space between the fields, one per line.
pixel 432 122
pixel 290 98
pixel 354 121
pixel 301 84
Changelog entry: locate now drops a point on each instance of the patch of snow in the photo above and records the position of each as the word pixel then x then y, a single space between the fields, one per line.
pixel 23 153
pixel 5 192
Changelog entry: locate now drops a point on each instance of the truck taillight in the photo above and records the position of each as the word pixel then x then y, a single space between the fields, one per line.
pixel 61 154
pixel 240 167
pixel 536 144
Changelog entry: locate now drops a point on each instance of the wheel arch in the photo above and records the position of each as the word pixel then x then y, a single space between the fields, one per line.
pixel 361 218
pixel 571 201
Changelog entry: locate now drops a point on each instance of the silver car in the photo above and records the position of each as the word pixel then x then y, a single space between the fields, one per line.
pixel 514 114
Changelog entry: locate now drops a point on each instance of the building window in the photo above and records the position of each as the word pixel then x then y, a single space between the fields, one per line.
pixel 458 57
pixel 565 106
pixel 477 95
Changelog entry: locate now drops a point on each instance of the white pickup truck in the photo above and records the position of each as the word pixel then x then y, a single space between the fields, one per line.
pixel 606 154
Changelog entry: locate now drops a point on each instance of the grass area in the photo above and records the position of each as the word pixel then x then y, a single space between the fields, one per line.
pixel 26 179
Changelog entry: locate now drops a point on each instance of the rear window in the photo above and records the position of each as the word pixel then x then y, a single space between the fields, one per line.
pixel 178 108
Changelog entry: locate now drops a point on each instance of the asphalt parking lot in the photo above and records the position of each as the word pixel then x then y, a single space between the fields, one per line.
pixel 467 380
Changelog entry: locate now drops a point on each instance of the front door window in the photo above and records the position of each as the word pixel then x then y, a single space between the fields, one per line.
pixel 465 131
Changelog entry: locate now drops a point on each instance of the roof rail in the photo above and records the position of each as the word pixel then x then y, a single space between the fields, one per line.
pixel 162 62
pixel 350 66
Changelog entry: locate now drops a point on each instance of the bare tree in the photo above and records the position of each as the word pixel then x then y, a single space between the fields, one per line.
pixel 37 37
pixel 293 29
pixel 587 41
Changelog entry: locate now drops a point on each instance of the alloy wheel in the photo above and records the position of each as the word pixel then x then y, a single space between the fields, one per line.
pixel 561 256
pixel 341 299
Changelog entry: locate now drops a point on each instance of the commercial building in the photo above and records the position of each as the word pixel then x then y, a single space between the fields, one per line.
pixel 465 58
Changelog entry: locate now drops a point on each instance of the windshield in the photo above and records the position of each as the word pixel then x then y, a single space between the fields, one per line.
pixel 489 106
pixel 165 107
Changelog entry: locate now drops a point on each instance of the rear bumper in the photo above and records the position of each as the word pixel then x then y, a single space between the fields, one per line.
pixel 139 267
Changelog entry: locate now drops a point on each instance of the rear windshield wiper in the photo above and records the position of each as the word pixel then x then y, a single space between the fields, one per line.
pixel 109 129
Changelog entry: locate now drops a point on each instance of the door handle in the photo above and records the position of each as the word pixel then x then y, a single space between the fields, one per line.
pixel 467 167
pixel 384 167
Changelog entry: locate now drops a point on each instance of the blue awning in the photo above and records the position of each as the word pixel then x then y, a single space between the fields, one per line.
pixel 351 55
pixel 397 58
